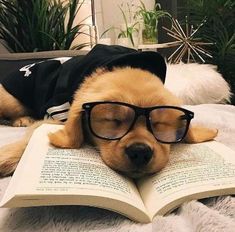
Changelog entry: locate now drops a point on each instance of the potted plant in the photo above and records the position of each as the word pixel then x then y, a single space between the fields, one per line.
pixel 40 25
pixel 128 31
pixel 150 21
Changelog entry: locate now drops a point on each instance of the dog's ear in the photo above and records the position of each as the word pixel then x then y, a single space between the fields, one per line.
pixel 198 134
pixel 71 136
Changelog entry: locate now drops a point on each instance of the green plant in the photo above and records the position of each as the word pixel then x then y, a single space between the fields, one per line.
pixel 39 25
pixel 150 20
pixel 129 27
pixel 218 28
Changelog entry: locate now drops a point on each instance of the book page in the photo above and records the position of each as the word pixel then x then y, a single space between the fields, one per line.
pixel 193 172
pixel 47 175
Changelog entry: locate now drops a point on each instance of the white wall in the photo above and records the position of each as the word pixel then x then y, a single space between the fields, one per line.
pixel 84 13
pixel 108 14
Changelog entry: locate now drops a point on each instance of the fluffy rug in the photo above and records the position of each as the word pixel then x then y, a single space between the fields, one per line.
pixel 209 215
pixel 197 83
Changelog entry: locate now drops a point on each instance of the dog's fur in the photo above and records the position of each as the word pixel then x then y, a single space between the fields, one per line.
pixel 130 85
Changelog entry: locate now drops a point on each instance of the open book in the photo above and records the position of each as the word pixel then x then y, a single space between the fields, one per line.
pixel 51 176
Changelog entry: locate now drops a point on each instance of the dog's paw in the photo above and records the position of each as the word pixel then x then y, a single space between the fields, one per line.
pixel 10 155
pixel 7 166
pixel 8 160
pixel 23 121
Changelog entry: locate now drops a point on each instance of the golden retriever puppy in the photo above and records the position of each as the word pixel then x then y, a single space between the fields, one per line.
pixel 126 113
pixel 138 152
pixel 139 149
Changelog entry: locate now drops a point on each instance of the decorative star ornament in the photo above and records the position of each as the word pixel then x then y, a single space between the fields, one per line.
pixel 189 46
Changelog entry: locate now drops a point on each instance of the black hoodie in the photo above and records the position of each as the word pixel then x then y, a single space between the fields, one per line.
pixel 47 87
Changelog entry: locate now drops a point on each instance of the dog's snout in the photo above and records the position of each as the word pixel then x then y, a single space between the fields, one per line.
pixel 139 154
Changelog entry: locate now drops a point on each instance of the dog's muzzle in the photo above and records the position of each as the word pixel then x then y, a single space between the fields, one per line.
pixel 139 154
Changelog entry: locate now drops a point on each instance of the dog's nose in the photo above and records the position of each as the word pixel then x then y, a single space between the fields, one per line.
pixel 139 154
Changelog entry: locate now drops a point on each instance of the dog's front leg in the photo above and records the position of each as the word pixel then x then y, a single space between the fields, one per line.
pixel 10 154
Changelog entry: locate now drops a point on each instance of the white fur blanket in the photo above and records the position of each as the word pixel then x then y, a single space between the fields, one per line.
pixel 213 214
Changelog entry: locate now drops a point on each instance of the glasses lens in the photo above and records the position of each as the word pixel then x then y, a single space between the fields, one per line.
pixel 111 121
pixel 168 125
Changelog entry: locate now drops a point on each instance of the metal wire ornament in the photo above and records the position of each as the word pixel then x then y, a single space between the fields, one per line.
pixel 188 44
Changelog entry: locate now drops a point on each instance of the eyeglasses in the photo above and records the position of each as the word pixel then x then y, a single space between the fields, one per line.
pixel 113 120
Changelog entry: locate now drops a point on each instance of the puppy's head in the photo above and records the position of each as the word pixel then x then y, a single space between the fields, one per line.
pixel 136 152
